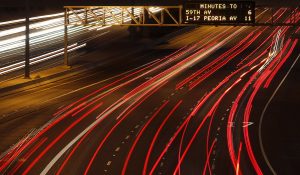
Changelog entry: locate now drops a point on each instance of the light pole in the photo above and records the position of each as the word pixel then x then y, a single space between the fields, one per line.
pixel 27 43
pixel 66 57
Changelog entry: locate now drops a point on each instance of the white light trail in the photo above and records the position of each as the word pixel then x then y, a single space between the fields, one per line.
pixel 35 60
pixel 49 32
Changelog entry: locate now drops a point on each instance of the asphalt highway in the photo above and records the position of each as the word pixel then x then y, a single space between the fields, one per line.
pixel 184 107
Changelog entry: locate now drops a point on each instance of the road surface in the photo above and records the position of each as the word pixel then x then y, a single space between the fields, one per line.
pixel 188 111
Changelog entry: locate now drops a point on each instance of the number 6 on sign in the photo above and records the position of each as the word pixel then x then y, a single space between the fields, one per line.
pixel 249 12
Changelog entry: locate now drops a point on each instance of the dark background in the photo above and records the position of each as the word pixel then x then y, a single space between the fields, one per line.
pixel 60 3
pixel 10 9
pixel 15 9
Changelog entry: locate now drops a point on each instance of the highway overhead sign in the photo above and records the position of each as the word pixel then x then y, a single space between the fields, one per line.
pixel 219 12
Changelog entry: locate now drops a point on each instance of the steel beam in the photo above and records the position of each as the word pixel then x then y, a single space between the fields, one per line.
pixel 137 14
